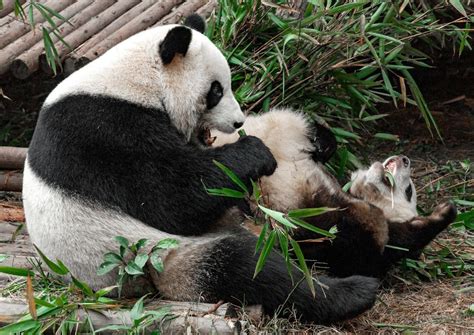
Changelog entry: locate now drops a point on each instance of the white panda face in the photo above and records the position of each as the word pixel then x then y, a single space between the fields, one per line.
pixel 206 69
pixel 398 201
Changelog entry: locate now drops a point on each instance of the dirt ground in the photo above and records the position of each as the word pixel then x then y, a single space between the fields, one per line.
pixel 410 302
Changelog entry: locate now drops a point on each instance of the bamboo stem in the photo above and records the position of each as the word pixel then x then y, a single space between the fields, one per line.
pixel 207 9
pixel 12 158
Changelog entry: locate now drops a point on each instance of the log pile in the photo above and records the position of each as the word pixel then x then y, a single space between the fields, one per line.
pixel 11 163
pixel 92 28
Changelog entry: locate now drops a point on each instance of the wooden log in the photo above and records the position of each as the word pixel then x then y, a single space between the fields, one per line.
pixel 27 63
pixel 10 32
pixel 181 321
pixel 187 8
pixel 11 181
pixel 88 29
pixel 14 49
pixel 71 62
pixel 206 10
pixel 8 7
pixel 139 23
pixel 12 158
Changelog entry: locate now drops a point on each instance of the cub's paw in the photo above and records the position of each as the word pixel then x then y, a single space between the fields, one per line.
pixel 444 213
pixel 324 143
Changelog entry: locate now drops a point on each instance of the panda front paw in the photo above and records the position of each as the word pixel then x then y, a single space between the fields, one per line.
pixel 258 155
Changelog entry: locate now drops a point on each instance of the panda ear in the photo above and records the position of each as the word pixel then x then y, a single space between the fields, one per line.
pixel 176 42
pixel 195 22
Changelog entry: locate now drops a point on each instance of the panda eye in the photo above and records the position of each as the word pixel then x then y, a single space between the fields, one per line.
pixel 409 192
pixel 214 95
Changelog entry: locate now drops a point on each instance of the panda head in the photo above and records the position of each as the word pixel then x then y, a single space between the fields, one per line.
pixel 374 186
pixel 188 58
pixel 173 68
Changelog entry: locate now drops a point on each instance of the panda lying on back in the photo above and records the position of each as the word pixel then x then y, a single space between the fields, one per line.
pixel 115 153
pixel 369 222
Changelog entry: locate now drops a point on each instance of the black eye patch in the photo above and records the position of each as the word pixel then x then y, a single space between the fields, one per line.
pixel 214 95
pixel 409 192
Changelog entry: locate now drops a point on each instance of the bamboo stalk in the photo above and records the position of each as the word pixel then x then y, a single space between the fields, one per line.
pixel 71 63
pixel 11 181
pixel 82 33
pixel 8 7
pixel 28 62
pixel 139 23
pixel 17 28
pixel 12 158
pixel 186 9
pixel 13 50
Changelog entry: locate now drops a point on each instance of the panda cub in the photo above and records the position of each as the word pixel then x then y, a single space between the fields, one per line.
pixel 368 221
pixel 116 152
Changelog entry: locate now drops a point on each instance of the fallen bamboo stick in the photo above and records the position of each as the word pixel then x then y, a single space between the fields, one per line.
pixel 28 62
pixel 185 316
pixel 186 9
pixel 11 213
pixel 13 50
pixel 207 9
pixel 11 181
pixel 71 62
pixel 10 32
pixel 8 6
pixel 139 23
pixel 12 158
pixel 82 33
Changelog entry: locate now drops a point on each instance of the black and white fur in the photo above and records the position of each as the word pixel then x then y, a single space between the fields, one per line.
pixel 371 216
pixel 115 152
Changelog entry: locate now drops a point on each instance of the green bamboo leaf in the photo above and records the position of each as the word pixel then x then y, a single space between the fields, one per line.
pixel 104 291
pixel 167 243
pixel 278 216
pixel 122 241
pixel 112 257
pixel 459 7
pixel 157 262
pixel 83 287
pixel 133 269
pixel 312 228
pixel 374 117
pixel 106 267
pixel 232 176
pixel 261 238
pixel 309 212
pixel 267 248
pixel 20 327
pixel 59 268
pixel 346 7
pixel 3 257
pixel 347 186
pixel 386 136
pixel 137 309
pixel 140 260
pixel 344 133
pixel 16 271
pixel 225 192
pixel 303 266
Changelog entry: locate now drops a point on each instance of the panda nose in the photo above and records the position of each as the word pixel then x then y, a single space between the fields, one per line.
pixel 237 125
pixel 406 161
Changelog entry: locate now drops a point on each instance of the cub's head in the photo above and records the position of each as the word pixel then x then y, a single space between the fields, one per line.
pixel 373 185
pixel 174 68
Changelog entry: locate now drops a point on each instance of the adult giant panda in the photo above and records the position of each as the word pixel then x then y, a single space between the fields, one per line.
pixel 370 217
pixel 115 152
